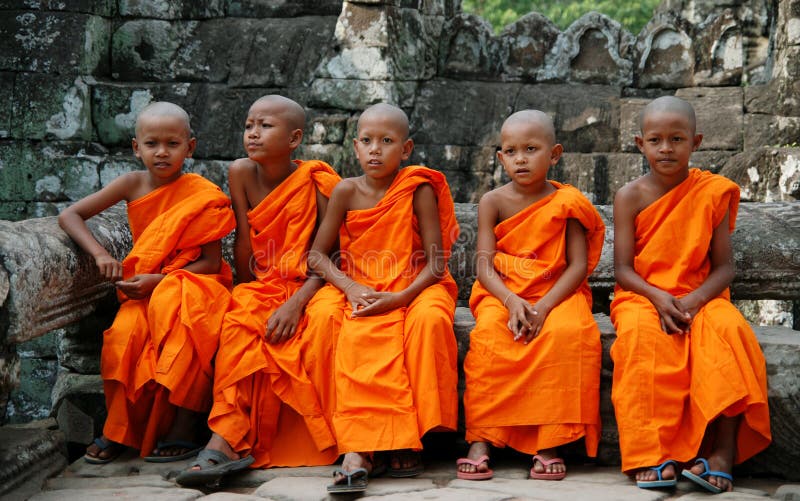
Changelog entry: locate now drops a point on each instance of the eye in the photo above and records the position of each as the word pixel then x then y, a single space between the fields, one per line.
pixel 508 151
pixel 150 143
pixel 248 126
pixel 531 148
pixel 387 140
pixel 173 143
pixel 677 139
pixel 364 140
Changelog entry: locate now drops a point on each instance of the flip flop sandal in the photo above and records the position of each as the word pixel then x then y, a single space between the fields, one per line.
pixel 404 456
pixel 351 481
pixel 104 444
pixel 661 482
pixel 547 462
pixel 214 465
pixel 708 472
pixel 192 450
pixel 478 475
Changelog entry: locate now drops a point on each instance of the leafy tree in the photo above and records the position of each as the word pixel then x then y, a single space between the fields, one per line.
pixel 631 14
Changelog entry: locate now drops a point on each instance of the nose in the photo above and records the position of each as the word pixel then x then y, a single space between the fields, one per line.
pixel 161 150
pixel 374 147
pixel 665 146
pixel 520 159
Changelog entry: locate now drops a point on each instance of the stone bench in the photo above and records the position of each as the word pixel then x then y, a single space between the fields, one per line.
pixel 46 283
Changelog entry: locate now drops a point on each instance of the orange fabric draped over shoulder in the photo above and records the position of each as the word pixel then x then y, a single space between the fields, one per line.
pixel 546 393
pixel 157 355
pixel 275 401
pixel 396 372
pixel 668 388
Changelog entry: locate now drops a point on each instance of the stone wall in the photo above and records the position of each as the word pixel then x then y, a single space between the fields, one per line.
pixel 73 75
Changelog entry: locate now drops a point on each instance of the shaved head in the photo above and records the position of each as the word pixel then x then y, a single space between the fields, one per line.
pixel 669 104
pixel 163 109
pixel 384 111
pixel 293 113
pixel 532 117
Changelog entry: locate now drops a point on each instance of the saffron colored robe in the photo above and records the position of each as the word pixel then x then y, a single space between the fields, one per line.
pixel 668 388
pixel 157 355
pixel 546 393
pixel 396 372
pixel 275 401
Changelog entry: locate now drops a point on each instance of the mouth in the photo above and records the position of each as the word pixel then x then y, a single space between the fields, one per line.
pixel 253 145
pixel 522 171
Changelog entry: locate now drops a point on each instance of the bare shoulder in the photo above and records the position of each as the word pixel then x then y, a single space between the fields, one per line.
pixel 345 187
pixel 631 197
pixel 242 168
pixel 495 197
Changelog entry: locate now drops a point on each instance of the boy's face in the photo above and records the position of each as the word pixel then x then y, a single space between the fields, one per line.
pixel 268 135
pixel 162 143
pixel 381 145
pixel 527 152
pixel 667 141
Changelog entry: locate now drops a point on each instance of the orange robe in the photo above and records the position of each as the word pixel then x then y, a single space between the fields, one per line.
pixel 275 401
pixel 158 352
pixel 396 372
pixel 546 393
pixel 668 388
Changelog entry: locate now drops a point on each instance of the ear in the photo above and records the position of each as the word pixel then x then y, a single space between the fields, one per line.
pixel 408 147
pixel 698 138
pixel 192 146
pixel 555 153
pixel 296 138
pixel 501 158
pixel 135 147
pixel 639 143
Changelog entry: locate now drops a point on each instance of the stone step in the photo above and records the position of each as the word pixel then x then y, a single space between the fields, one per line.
pixel 29 454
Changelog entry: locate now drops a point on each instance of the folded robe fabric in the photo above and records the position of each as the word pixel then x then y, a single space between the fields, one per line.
pixel 158 352
pixel 275 401
pixel 546 393
pixel 396 372
pixel 668 388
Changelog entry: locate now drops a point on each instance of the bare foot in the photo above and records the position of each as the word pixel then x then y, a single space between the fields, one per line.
pixel 548 454
pixel 110 451
pixel 650 475
pixel 217 443
pixel 353 461
pixel 184 430
pixel 476 450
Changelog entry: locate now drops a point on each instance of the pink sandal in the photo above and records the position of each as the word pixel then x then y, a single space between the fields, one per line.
pixel 546 463
pixel 478 475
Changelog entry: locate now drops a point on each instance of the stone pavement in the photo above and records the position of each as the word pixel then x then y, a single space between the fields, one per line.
pixel 131 478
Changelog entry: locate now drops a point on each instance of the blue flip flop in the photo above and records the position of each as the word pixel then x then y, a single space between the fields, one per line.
pixel 708 472
pixel 661 482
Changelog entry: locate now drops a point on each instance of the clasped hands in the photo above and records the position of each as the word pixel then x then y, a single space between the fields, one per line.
pixel 524 319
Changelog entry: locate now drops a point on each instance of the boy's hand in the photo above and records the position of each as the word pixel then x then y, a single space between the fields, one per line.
pixel 674 318
pixel 282 325
pixel 536 316
pixel 380 302
pixel 140 286
pixel 357 295
pixel 109 267
pixel 691 304
pixel 519 312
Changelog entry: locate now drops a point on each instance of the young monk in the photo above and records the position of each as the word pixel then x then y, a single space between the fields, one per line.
pixel 533 367
pixel 156 359
pixel 395 368
pixel 689 376
pixel 273 387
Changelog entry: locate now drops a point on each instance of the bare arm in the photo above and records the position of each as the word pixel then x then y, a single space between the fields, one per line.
pixel 242 251
pixel 327 235
pixel 73 221
pixel 673 317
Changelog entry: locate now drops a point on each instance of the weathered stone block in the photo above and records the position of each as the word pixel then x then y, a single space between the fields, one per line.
pixel 527 42
pixel 586 116
pixel 480 109
pixel 17 211
pixel 594 49
pixel 285 8
pixel 711 160
pixel 767 312
pixel 6 103
pixel 362 25
pixel 54 42
pixel 470 49
pixel 718 50
pixel 413 44
pixel 47 171
pixel 79 406
pixel 37 374
pixel 181 9
pixel 770 130
pixel 621 168
pixel 666 58
pixel 720 117
pixel 325 128
pixel 359 94
pixel 766 174
pixel 115 106
pixel 28 456
pixel 48 107
pixel 341 157
pixel 105 8
pixel 578 170
pixel 280 52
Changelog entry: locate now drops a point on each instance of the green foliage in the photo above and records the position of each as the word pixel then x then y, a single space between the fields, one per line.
pixel 631 14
